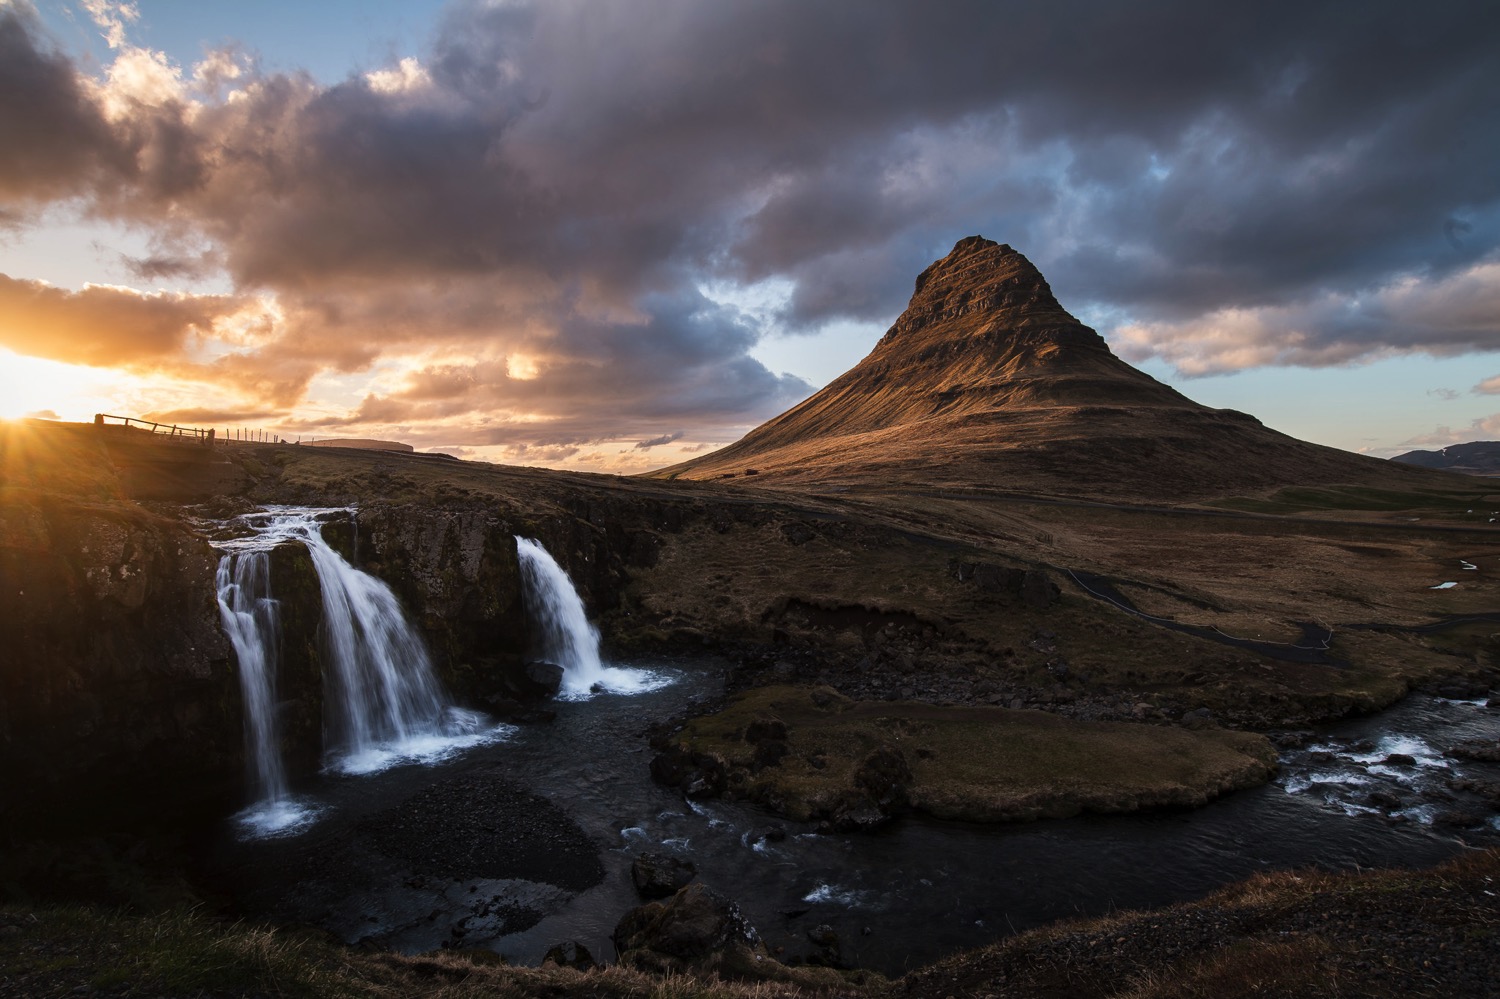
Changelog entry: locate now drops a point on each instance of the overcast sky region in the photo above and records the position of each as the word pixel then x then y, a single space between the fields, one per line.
pixel 608 235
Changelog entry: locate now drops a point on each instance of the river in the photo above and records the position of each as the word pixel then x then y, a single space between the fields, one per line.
pixel 898 898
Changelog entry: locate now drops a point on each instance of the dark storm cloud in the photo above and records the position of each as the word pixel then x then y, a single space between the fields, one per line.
pixel 545 190
pixel 53 138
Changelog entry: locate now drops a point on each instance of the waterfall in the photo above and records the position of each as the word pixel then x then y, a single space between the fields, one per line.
pixel 250 621
pixel 568 639
pixel 383 702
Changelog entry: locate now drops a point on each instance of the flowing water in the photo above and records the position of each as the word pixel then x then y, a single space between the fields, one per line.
pixel 384 704
pixel 569 639
pixel 416 855
pixel 898 897
pixel 250 619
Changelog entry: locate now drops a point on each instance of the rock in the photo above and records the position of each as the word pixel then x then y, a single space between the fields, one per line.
pixel 1459 818
pixel 1401 760
pixel 1038 589
pixel 1198 718
pixel 699 776
pixel 827 940
pixel 657 875
pixel 570 954
pixel 538 680
pixel 1476 749
pixel 1489 790
pixel 1384 799
pixel 697 928
pixel 823 935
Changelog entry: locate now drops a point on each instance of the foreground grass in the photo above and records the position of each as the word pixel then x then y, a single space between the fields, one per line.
pixel 1295 934
pixel 73 950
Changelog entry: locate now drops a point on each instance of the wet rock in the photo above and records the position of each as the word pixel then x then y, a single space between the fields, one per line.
pixel 699 776
pixel 823 935
pixel 570 954
pixel 1486 789
pixel 1401 760
pixel 1479 750
pixel 1459 818
pixel 697 928
pixel 543 679
pixel 1459 689
pixel 657 875
pixel 1384 799
pixel 1293 740
pixel 826 938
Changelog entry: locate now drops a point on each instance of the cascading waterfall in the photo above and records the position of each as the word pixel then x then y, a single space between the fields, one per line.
pixel 383 702
pixel 251 622
pixel 568 639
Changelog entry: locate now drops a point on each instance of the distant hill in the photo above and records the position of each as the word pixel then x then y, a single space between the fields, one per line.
pixel 986 381
pixel 362 443
pixel 1473 458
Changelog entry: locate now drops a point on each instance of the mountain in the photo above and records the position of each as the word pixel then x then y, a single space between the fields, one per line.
pixel 985 381
pixel 1473 458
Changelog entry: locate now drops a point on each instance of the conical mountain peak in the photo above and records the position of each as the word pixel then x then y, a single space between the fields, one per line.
pixel 982 276
pixel 985 380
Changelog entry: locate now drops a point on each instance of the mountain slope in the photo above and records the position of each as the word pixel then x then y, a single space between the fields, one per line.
pixel 1473 458
pixel 985 381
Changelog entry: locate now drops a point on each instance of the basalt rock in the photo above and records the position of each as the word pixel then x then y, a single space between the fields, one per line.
pixel 657 875
pixel 696 929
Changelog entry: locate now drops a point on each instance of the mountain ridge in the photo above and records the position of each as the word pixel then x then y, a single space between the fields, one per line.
pixel 986 381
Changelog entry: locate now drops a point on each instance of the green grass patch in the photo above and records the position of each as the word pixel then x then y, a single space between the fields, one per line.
pixel 1329 499
pixel 974 763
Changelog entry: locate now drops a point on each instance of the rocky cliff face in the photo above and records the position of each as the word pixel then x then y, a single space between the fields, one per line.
pixel 116 696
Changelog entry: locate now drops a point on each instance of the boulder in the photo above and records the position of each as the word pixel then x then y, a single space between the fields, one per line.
pixel 696 929
pixel 657 875
pixel 570 954
pixel 541 680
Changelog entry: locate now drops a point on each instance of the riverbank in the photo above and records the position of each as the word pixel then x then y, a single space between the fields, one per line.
pixel 1305 934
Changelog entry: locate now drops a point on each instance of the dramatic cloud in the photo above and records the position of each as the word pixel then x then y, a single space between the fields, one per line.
pixel 103 326
pixel 510 234
pixel 1458 314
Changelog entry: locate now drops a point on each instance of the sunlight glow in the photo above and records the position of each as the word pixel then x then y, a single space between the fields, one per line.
pixel 65 391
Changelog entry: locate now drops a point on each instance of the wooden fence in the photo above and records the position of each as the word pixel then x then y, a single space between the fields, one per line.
pixel 238 435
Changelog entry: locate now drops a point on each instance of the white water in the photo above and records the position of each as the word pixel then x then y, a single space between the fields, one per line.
pixel 383 703
pixel 568 639
pixel 250 621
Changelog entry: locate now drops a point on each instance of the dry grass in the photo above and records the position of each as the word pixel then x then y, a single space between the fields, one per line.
pixel 980 764
pixel 60 951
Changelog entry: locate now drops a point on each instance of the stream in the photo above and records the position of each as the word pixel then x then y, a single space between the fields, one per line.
pixel 461 851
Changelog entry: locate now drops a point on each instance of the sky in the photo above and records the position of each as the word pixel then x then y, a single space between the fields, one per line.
pixel 612 235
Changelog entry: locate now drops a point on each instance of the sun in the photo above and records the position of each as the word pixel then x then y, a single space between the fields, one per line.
pixel 34 386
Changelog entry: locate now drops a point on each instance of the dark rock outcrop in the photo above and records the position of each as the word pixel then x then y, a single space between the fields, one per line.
pixel 657 875
pixel 696 929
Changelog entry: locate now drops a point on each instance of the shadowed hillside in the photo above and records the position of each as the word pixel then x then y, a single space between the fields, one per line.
pixel 1473 458
pixel 986 381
